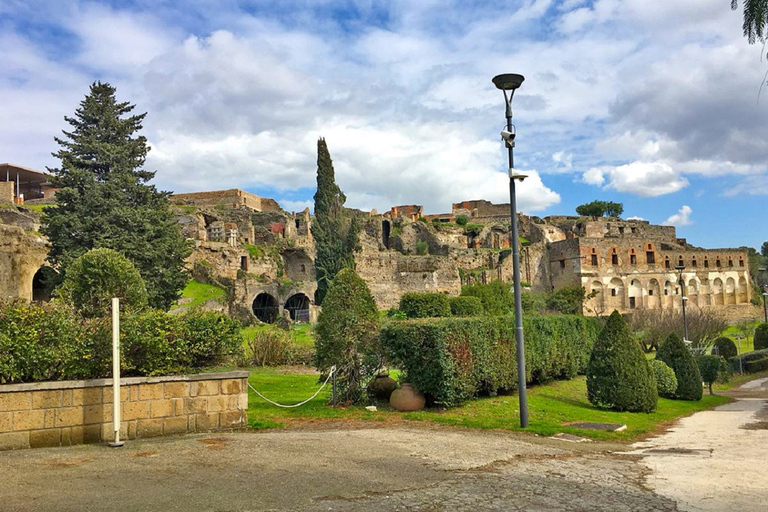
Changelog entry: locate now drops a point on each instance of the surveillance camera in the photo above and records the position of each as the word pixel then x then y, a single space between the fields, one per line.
pixel 516 175
pixel 507 135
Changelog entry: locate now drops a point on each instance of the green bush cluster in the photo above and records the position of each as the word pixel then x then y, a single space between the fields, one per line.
pixel 461 220
pixel 761 337
pixel 465 306
pixel 666 382
pixel 678 357
pixel 454 359
pixel 618 375
pixel 724 347
pixel 496 296
pixel 425 305
pixel 52 342
pixel 752 362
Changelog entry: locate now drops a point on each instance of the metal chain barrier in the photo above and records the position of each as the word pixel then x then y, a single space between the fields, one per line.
pixel 333 370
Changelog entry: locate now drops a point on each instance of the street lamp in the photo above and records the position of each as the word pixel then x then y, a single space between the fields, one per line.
pixel 765 294
pixel 508 83
pixel 680 269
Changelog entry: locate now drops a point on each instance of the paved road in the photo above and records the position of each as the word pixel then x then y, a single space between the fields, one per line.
pixel 400 468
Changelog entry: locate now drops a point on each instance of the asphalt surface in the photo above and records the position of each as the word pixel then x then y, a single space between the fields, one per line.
pixel 343 468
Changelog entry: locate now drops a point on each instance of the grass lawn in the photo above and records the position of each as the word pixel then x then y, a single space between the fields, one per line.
pixel 550 407
pixel 200 293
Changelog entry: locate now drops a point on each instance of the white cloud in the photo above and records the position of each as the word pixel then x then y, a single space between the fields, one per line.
pixel 681 218
pixel 644 179
pixel 635 217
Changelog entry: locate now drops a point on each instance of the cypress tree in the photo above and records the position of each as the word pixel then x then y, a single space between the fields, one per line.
pixel 104 200
pixel 678 357
pixel 618 375
pixel 333 228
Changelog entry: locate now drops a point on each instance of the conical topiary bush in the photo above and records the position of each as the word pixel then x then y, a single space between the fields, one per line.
pixel 678 357
pixel 618 375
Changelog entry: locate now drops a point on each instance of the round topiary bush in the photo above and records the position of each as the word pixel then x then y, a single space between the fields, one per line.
pixel 618 375
pixel 466 306
pixel 425 305
pixel 666 382
pixel 761 337
pixel 93 279
pixel 678 357
pixel 348 335
pixel 725 348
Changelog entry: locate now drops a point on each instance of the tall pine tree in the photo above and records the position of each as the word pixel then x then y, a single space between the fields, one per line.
pixel 334 229
pixel 104 199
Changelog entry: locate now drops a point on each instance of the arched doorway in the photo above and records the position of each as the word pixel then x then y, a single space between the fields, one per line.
pixel 265 308
pixel 654 294
pixel 298 307
pixel 42 284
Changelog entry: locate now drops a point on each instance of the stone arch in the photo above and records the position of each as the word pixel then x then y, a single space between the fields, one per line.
pixel 616 299
pixel 717 292
pixel 266 308
pixel 705 293
pixel 596 303
pixel 669 292
pixel 742 295
pixel 635 294
pixel 42 283
pixel 692 291
pixel 298 307
pixel 654 298
pixel 730 291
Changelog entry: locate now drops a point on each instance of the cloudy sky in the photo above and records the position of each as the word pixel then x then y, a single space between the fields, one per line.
pixel 651 103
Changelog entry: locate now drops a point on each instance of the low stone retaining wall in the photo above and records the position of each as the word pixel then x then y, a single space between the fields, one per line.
pixel 80 411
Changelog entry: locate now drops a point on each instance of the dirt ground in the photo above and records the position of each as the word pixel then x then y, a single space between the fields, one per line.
pixel 712 460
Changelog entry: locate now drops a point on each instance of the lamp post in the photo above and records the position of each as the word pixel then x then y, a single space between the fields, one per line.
pixel 680 269
pixel 508 83
pixel 765 294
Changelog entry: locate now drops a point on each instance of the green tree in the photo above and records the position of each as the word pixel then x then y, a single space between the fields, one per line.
pixel 600 208
pixel 710 368
pixel 334 229
pixel 96 277
pixel 761 337
pixel 104 199
pixel 678 357
pixel 755 19
pixel 618 375
pixel 348 335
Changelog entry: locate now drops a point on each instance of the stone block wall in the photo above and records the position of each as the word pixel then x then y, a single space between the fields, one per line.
pixel 75 412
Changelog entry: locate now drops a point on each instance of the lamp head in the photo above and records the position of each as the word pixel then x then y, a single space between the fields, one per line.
pixel 508 81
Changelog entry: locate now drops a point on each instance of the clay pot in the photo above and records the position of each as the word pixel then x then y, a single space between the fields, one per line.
pixel 406 398
pixel 381 387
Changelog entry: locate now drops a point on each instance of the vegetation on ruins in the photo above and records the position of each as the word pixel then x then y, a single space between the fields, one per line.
pixel 679 357
pixel 333 229
pixel 347 335
pixel 454 359
pixel 600 209
pixel 618 375
pixel 465 306
pixel 51 341
pixel 425 305
pixel 104 199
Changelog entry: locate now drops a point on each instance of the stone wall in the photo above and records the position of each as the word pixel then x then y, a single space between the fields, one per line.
pixel 21 256
pixel 75 412
pixel 231 198
pixel 7 189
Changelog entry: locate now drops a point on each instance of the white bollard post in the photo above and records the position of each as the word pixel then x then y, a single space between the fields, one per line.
pixel 116 372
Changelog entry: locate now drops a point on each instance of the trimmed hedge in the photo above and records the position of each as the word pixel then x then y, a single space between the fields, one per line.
pixel 761 337
pixel 454 359
pixel 52 342
pixel 666 382
pixel 752 362
pixel 678 357
pixel 425 305
pixel 725 347
pixel 618 375
pixel 496 296
pixel 466 306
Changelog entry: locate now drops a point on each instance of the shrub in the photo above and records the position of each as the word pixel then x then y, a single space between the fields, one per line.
pixel 210 338
pixel 666 382
pixel 422 247
pixel 270 346
pixel 496 297
pixel 568 300
pixel 725 348
pixel 761 337
pixel 618 375
pixel 465 306
pixel 710 367
pixel 678 357
pixel 752 362
pixel 395 314
pixel 347 335
pixel 462 220
pixel 453 359
pixel 93 279
pixel 425 305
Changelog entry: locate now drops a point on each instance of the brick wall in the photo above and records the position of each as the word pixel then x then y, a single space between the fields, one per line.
pixel 75 412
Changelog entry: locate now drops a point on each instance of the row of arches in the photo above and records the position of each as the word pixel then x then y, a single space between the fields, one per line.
pixel 632 292
pixel 267 308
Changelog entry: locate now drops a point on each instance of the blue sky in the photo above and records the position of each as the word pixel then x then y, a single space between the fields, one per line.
pixel 648 103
